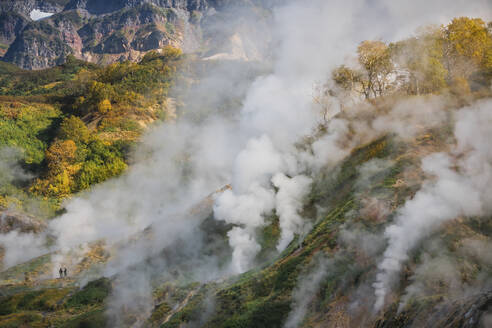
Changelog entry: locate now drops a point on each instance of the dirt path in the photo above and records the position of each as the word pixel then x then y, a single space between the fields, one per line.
pixel 180 306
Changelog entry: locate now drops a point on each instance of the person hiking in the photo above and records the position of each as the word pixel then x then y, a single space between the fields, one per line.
pixel 61 273
pixel 65 272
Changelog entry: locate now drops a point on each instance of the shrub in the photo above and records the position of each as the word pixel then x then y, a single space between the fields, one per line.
pixel 73 128
pixel 93 293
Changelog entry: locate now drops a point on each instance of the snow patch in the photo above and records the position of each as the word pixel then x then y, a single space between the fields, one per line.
pixel 38 14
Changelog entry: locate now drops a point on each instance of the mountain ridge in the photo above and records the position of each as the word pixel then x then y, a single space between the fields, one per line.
pixel 106 32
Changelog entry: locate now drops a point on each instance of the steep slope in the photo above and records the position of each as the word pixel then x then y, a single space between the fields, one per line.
pixel 26 7
pixel 363 201
pixel 321 280
pixel 111 31
pixel 15 15
pixel 38 46
pixel 103 40
pixel 97 7
pixel 11 24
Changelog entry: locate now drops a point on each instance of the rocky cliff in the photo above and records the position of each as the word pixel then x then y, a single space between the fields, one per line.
pixel 113 30
pixel 98 7
pixel 25 7
pixel 11 24
pixel 38 46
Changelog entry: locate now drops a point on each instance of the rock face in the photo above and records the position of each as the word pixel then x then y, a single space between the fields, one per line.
pixel 25 7
pixel 10 221
pixel 15 16
pixel 108 31
pixel 11 24
pixel 38 46
pixel 98 7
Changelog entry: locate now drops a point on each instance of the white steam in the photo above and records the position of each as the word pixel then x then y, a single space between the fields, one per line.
pixel 462 187
pixel 244 247
pixel 288 202
pixel 306 289
pixel 254 148
pixel 22 247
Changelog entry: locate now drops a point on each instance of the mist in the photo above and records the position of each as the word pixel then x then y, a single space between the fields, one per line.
pixel 460 187
pixel 306 289
pixel 18 238
pixel 252 146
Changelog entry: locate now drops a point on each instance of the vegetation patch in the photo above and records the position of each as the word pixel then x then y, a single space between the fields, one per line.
pixel 95 292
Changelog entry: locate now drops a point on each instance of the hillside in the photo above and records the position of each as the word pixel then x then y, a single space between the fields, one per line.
pixel 109 31
pixel 360 194
pixel 276 176
pixel 73 125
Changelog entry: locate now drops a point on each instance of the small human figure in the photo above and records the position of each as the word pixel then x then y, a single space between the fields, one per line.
pixel 61 273
pixel 65 272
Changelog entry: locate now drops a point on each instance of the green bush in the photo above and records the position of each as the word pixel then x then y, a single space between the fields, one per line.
pixel 42 300
pixel 102 162
pixel 92 319
pixel 93 293
pixel 17 320
pixel 73 128
pixel 28 128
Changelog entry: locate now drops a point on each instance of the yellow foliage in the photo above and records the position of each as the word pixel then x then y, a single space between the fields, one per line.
pixel 468 46
pixel 374 56
pixel 468 37
pixel 104 106
pixel 10 202
pixel 171 53
pixel 460 86
pixel 60 185
pixel 73 128
pixel 60 154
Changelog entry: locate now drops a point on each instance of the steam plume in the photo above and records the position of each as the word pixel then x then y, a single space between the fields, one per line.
pixel 462 187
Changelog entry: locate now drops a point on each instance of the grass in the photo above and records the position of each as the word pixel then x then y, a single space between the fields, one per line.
pixel 42 300
pixel 24 319
pixel 93 319
pixel 33 266
pixel 29 127
pixel 95 292
pixel 112 103
pixel 259 298
pixel 262 298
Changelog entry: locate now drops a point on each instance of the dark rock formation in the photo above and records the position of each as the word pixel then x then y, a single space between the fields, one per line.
pixel 38 46
pixel 98 7
pixel 113 30
pixel 25 7
pixel 11 24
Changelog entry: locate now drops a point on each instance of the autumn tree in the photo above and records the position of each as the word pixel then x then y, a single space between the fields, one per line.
pixel 99 95
pixel 347 78
pixel 373 77
pixel 60 157
pixel 374 57
pixel 104 106
pixel 467 47
pixel 60 154
pixel 421 58
pixel 73 128
pixel 323 97
pixel 102 162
